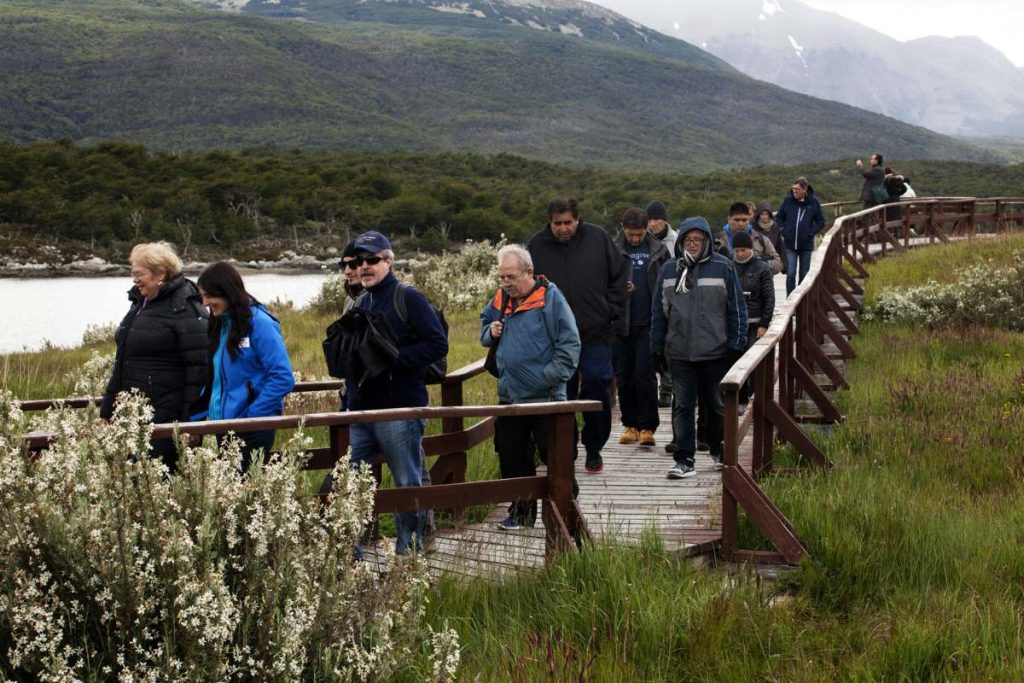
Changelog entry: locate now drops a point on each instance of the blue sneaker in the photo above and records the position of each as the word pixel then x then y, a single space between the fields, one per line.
pixel 510 524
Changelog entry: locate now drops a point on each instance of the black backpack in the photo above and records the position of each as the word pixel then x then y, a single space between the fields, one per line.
pixel 438 370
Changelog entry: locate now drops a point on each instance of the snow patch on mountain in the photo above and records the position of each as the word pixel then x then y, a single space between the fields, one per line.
pixel 799 50
pixel 460 8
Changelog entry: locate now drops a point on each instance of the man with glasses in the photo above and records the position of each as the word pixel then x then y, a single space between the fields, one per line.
pixel 421 340
pixel 583 261
pixel 700 320
pixel 538 348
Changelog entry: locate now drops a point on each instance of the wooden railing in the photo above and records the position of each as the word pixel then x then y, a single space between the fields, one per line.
pixel 782 364
pixel 565 527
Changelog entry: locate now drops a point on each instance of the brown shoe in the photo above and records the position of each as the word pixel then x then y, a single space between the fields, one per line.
pixel 646 437
pixel 629 435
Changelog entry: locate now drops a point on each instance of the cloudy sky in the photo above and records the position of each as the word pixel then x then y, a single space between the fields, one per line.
pixel 997 22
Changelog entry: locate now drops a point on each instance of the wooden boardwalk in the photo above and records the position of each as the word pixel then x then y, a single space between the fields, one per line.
pixel 630 496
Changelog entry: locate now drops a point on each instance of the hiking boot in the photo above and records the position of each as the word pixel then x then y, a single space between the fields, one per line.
pixel 594 463
pixel 703 446
pixel 681 471
pixel 646 437
pixel 510 524
pixel 671 447
pixel 629 435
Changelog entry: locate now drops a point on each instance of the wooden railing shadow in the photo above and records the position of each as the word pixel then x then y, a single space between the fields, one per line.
pixel 783 363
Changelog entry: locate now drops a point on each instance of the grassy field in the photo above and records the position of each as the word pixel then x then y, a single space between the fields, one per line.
pixel 915 571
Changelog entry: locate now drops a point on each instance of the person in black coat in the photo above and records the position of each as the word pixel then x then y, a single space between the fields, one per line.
pixel 758 292
pixel 583 262
pixel 161 343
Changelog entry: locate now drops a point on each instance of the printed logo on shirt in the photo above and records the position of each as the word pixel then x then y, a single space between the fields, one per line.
pixel 244 343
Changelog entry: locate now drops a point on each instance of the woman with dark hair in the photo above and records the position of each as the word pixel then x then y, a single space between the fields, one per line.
pixel 250 373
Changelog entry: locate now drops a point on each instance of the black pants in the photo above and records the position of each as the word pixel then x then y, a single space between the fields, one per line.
pixel 691 381
pixel 519 441
pixel 593 381
pixel 254 441
pixel 638 385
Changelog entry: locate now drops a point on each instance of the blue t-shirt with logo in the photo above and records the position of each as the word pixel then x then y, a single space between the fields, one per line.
pixel 640 300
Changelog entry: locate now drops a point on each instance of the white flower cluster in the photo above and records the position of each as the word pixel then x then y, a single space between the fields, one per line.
pixel 91 378
pixel 986 295
pixel 459 280
pixel 114 570
pixel 96 334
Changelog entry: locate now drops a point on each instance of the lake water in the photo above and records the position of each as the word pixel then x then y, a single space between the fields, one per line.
pixel 58 310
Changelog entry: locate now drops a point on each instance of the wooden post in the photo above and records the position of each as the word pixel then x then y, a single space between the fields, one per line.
pixel 453 465
pixel 730 456
pixel 561 518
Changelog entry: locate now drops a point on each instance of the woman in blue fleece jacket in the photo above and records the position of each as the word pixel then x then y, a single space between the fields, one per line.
pixel 250 372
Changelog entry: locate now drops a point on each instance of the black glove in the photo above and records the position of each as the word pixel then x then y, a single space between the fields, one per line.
pixel 659 363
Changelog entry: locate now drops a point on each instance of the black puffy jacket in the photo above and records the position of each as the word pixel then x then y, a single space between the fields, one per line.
pixel 161 349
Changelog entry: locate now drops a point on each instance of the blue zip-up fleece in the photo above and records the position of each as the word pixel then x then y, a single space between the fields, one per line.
pixel 420 343
pixel 255 383
pixel 800 221
pixel 709 318
pixel 539 347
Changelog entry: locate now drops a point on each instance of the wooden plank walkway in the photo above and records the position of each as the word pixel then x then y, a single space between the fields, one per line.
pixel 630 496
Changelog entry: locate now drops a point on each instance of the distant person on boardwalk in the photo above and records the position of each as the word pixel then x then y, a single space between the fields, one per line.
pixel 800 219
pixel 699 318
pixel 739 221
pixel 420 341
pixel 538 348
pixel 250 373
pixel 873 177
pixel 764 224
pixel 634 371
pixel 161 343
pixel 582 260
pixel 756 281
pixel 658 225
pixel 894 187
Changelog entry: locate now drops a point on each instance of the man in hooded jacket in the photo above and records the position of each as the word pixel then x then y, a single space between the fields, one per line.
pixel 700 320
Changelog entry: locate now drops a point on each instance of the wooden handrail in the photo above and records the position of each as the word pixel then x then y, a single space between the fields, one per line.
pixel 785 357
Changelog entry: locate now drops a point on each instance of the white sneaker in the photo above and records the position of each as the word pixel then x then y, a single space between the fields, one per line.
pixel 681 471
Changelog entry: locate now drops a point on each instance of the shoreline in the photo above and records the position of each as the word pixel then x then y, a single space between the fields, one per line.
pixel 98 268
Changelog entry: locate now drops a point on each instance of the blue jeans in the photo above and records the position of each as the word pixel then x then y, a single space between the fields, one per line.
pixel 689 380
pixel 792 256
pixel 400 441
pixel 592 381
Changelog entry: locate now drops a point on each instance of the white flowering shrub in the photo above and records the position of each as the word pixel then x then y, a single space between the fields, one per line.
pixel 984 295
pixel 113 570
pixel 91 378
pixel 331 298
pixel 99 334
pixel 459 281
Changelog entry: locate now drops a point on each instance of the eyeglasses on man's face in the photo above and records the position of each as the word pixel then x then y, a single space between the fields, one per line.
pixel 693 240
pixel 348 264
pixel 368 260
pixel 511 277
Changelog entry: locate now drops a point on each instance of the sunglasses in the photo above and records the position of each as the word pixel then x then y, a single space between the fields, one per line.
pixel 360 260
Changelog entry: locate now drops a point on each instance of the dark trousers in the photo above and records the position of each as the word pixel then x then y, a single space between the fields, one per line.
pixel 255 441
pixel 690 380
pixel 516 440
pixel 748 386
pixel 593 381
pixel 638 385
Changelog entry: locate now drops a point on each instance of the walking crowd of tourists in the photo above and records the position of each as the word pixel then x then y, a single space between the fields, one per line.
pixel 655 313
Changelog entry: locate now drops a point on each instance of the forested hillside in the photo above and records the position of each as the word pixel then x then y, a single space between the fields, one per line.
pixel 105 197
pixel 175 76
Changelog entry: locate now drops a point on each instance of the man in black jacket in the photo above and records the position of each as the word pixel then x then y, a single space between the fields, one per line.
pixel 581 259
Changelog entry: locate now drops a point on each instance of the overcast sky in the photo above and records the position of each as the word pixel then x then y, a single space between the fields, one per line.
pixel 999 23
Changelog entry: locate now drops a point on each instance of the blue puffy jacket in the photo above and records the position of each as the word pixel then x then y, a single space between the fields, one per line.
pixel 254 383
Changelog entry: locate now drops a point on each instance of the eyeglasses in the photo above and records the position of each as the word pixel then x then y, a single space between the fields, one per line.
pixel 693 240
pixel 511 278
pixel 348 265
pixel 561 223
pixel 139 274
pixel 368 260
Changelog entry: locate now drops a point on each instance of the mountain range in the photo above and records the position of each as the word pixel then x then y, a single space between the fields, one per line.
pixel 957 86
pixel 556 80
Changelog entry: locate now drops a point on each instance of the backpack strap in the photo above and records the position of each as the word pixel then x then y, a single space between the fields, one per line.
pixel 399 303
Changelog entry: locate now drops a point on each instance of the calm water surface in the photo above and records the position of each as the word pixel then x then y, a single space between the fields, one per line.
pixel 57 310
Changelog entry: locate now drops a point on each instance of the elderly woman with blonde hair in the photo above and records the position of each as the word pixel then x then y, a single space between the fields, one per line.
pixel 161 343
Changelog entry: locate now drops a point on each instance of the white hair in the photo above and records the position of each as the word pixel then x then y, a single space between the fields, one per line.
pixel 519 252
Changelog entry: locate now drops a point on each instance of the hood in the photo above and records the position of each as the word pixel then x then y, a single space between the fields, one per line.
pixel 763 206
pixel 695 223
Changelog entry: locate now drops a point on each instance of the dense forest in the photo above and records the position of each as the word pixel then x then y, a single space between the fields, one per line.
pixel 105 197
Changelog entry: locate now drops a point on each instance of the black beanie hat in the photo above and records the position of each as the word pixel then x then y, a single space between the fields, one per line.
pixel 742 240
pixel 656 210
